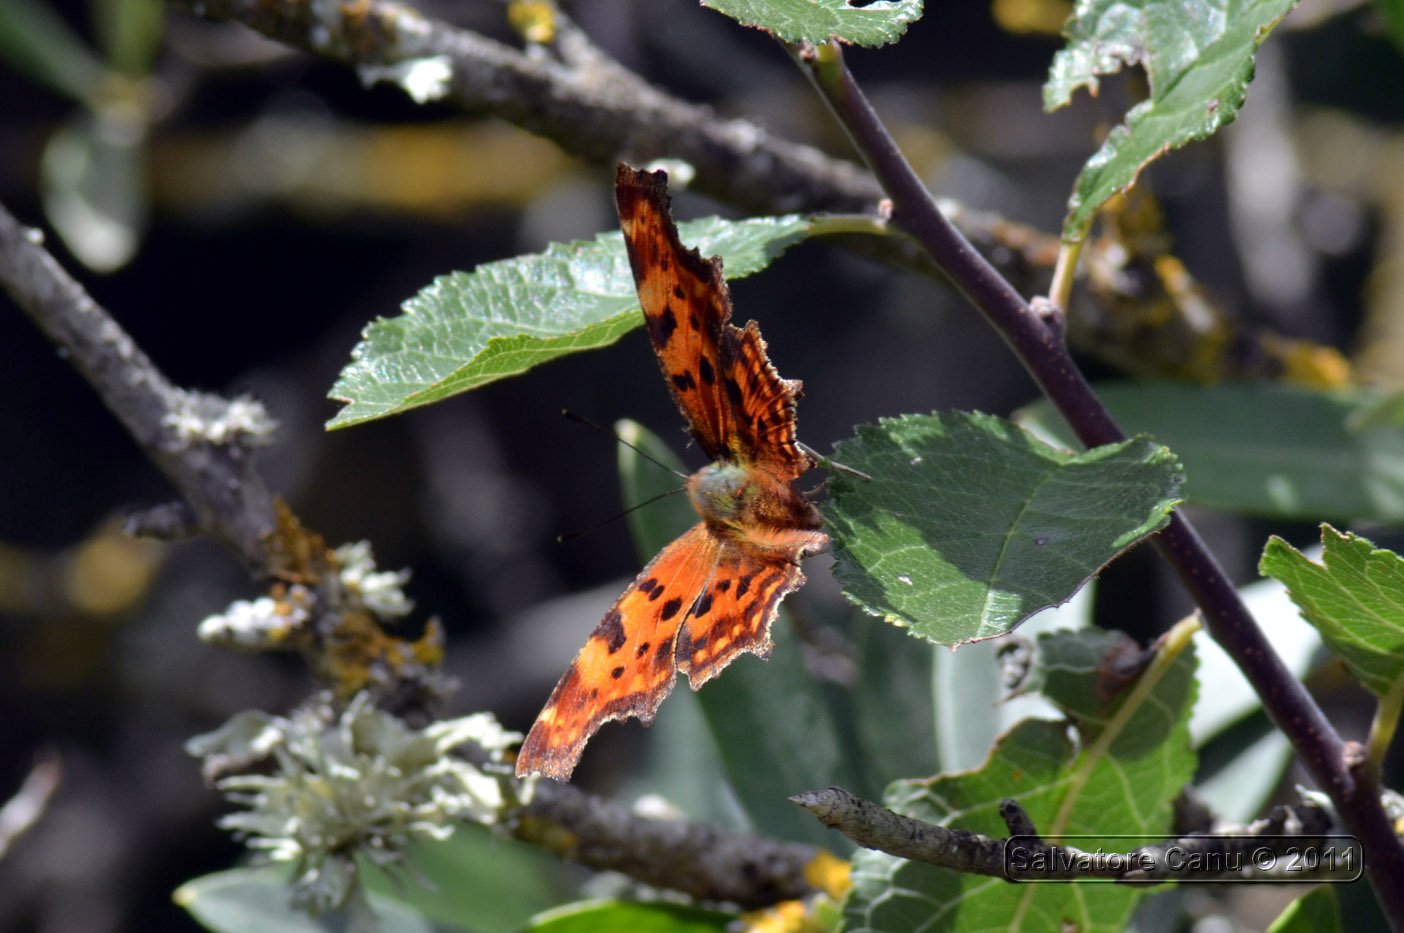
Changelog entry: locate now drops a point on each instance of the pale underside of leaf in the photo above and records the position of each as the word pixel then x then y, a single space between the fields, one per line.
pixel 468 329
pixel 872 24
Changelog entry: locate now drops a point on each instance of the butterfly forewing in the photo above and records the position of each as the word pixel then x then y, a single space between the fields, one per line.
pixel 735 403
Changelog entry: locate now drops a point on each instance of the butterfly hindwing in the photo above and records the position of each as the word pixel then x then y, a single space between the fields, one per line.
pixel 733 613
pixel 628 664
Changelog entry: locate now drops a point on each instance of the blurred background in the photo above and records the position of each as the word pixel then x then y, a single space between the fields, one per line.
pixel 243 210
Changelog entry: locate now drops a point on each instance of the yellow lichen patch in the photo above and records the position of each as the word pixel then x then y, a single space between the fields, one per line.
pixel 1309 364
pixel 1045 17
pixel 785 917
pixel 534 20
pixel 829 874
pixel 296 554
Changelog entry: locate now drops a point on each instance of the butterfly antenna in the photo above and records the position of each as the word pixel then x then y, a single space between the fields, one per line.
pixel 581 419
pixel 572 535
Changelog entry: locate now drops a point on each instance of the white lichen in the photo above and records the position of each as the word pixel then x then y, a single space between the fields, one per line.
pixel 361 783
pixel 261 623
pixel 199 417
pixel 382 591
pixel 423 79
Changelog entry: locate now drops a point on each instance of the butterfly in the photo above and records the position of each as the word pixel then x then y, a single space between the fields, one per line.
pixel 711 594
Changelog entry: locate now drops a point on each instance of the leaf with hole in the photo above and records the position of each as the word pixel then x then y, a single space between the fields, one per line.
pixel 970 524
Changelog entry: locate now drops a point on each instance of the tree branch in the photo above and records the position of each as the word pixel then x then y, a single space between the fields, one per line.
pixel 596 111
pixel 1037 340
pixel 1260 852
pixel 700 860
pixel 203 443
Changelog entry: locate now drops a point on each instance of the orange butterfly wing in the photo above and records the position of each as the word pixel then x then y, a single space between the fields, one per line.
pixel 712 593
pixel 735 403
pixel 628 664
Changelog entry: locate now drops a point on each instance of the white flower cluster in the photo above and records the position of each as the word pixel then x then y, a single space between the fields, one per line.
pixel 358 784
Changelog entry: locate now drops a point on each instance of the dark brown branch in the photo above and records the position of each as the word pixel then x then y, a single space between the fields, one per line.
pixel 203 443
pixel 1038 343
pixel 596 110
pixel 1260 852
pixel 699 860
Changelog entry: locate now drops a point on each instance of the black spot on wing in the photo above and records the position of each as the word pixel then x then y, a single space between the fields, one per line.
pixel 678 292
pixel 743 585
pixel 662 325
pixel 703 605
pixel 642 649
pixel 723 586
pixel 617 673
pixel 684 381
pixel 670 609
pixel 704 369
pixel 611 629
pixel 733 391
pixel 650 587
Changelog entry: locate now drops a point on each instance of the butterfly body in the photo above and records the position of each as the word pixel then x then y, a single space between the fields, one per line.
pixel 711 594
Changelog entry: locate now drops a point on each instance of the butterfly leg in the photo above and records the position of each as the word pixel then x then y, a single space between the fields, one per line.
pixel 829 464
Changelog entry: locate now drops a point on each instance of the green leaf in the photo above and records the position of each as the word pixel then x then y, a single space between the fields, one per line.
pixel 1354 597
pixel 94 173
pixel 874 23
pixel 36 40
pixel 468 329
pixel 973 705
pixel 1393 13
pixel 599 916
pixel 131 33
pixel 1198 57
pixel 476 879
pixel 642 479
pixel 243 899
pixel 892 704
pixel 1270 450
pixel 1317 911
pixel 970 525
pixel 1117 778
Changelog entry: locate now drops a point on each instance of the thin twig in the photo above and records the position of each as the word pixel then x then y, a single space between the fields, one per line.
pixel 1259 852
pixel 203 443
pixel 1038 344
